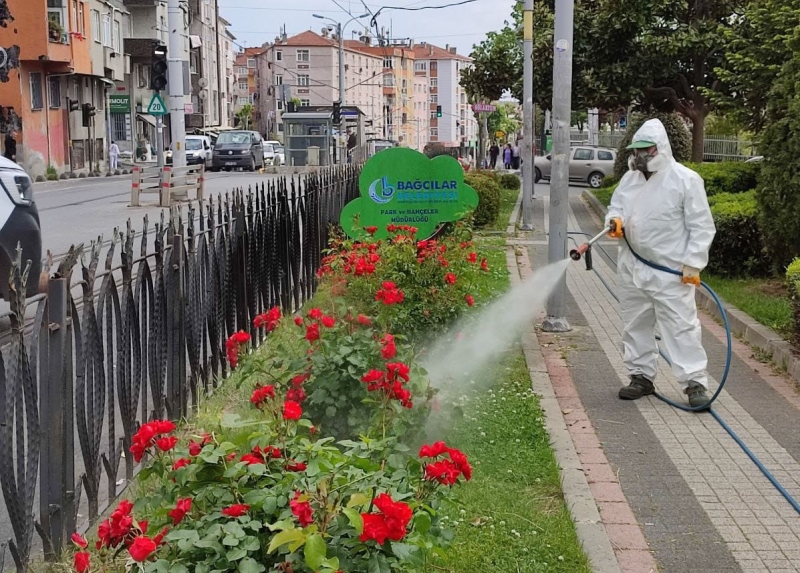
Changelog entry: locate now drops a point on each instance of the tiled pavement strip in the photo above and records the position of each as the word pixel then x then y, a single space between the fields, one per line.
pixel 758 527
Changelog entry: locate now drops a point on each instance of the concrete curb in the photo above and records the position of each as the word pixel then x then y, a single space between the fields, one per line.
pixel 578 496
pixel 742 325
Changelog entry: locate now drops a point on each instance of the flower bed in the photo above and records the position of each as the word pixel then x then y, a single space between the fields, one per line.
pixel 322 473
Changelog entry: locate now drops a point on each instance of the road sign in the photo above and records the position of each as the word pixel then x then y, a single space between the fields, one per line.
pixel 499 133
pixel 157 106
pixel 479 107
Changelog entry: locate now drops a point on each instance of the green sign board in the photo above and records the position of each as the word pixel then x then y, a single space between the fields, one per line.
pixel 404 187
pixel 119 103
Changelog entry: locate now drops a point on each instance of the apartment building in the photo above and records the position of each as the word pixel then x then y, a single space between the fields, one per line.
pixel 309 64
pixel 244 88
pixel 59 49
pixel 226 71
pixel 442 68
pixel 204 65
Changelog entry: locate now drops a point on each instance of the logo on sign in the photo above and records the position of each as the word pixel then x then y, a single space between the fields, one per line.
pixel 386 191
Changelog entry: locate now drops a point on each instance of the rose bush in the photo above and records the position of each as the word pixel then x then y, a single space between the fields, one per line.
pixel 317 475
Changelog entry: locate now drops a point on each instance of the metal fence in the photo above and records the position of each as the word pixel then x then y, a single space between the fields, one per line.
pixel 717 148
pixel 138 334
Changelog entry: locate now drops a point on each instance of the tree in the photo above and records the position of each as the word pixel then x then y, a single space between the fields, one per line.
pixel 245 115
pixel 505 118
pixel 757 48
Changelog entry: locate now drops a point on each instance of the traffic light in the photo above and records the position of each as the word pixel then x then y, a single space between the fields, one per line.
pixel 337 112
pixel 72 104
pixel 88 111
pixel 158 67
pixel 438 111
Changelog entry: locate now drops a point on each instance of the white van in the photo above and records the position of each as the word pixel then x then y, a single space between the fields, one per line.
pixel 198 151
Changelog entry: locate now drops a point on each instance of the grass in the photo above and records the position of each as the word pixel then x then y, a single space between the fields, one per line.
pixel 512 518
pixel 766 300
pixel 508 198
pixel 604 195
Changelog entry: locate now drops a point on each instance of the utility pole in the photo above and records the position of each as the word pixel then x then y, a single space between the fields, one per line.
pixel 342 120
pixel 177 33
pixel 528 171
pixel 559 179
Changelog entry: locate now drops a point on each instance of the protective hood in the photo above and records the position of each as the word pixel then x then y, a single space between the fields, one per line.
pixel 653 130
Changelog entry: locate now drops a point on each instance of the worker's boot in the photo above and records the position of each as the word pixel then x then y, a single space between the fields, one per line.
pixel 697 394
pixel 639 386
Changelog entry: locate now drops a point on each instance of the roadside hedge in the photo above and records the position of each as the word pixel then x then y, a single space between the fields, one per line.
pixel 488 197
pixel 793 282
pixel 738 249
pixel 510 181
pixel 727 176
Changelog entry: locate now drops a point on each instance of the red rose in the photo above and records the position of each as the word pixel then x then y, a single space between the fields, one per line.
pixel 183 507
pixel 292 410
pixel 262 394
pixel 301 509
pixel 397 369
pixel 237 510
pixel 79 540
pixel 81 562
pixel 374 528
pixel 444 471
pixel 388 350
pixel 296 467
pixel 450 278
pixel 364 320
pixel 181 463
pixel 484 265
pixel 315 313
pixel 298 320
pixel 165 444
pixel 461 461
pixel 328 321
pixel 470 300
pixel 163 426
pixel 159 539
pixel 391 524
pixel 142 548
pixel 296 394
pixel 312 332
pixel 195 448
pixel 374 379
pixel 436 450
pixel 472 257
pixel 371 230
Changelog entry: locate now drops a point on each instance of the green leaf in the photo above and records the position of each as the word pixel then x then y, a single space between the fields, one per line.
pixel 355 519
pixel 422 522
pixel 230 541
pixel 236 554
pixel 315 551
pixel 281 525
pixel 270 505
pixel 406 552
pixel 289 536
pixel 250 565
pixel 255 497
pixel 358 500
pixel 234 528
pixel 378 564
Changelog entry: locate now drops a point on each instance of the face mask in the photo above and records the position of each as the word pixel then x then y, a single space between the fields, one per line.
pixel 640 162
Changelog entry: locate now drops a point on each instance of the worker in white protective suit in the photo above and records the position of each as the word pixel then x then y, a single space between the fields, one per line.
pixel 662 209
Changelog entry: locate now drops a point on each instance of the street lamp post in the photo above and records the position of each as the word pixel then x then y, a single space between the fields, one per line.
pixel 340 33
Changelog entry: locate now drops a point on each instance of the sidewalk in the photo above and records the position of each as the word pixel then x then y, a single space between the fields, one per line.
pixel 673 489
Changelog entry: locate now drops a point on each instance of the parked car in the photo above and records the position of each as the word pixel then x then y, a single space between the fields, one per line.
pixel 238 148
pixel 586 165
pixel 280 155
pixel 198 151
pixel 269 153
pixel 19 223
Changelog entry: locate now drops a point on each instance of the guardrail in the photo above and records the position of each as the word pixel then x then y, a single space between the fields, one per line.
pixel 171 183
pixel 114 344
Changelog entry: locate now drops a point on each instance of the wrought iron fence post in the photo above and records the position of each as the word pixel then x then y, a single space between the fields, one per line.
pixel 54 403
pixel 176 332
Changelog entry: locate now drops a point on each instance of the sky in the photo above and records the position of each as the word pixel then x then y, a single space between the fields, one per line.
pixel 254 22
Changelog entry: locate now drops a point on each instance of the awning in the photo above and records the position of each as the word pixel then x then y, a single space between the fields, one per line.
pixel 107 81
pixel 195 42
pixel 147 118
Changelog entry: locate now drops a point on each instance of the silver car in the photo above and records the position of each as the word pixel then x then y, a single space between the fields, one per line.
pixel 586 165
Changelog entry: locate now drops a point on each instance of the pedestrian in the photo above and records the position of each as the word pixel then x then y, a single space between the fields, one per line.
pixel 113 154
pixel 10 146
pixel 494 151
pixel 667 221
pixel 507 156
pixel 515 156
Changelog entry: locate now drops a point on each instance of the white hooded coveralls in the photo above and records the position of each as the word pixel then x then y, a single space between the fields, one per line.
pixel 667 220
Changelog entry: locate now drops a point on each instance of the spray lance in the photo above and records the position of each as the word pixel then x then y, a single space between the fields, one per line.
pixel 614 229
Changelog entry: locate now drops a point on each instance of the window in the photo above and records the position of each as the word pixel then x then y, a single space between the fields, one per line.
pixel 278 56
pixel 405 85
pixel 243 100
pixel 115 36
pixel 302 80
pixel 242 71
pixel 583 155
pixel 279 80
pixel 280 105
pixel 242 85
pixel 143 76
pixel 434 98
pixel 305 103
pixel 434 66
pixel 605 156
pixel 81 25
pixel 251 63
pixel 434 132
pixel 388 62
pixel 96 25
pixel 119 127
pixel 388 80
pixel 74 15
pixel 420 66
pixel 404 118
pixel 434 83
pixel 107 30
pixel 36 90
pixel 302 55
pixel 54 93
